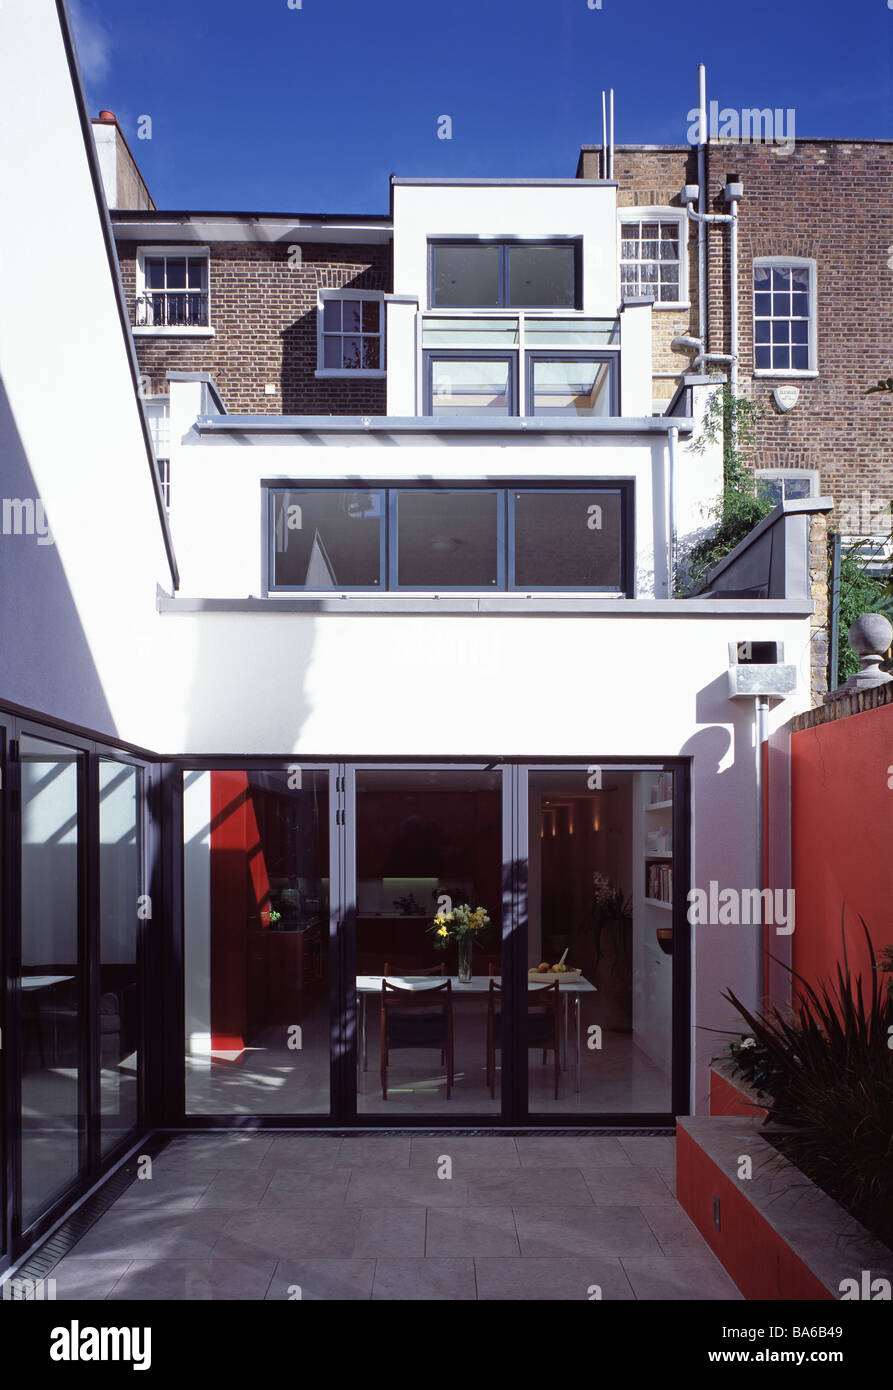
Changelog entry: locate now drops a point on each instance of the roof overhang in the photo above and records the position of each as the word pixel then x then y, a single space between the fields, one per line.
pixel 434 430
pixel 264 228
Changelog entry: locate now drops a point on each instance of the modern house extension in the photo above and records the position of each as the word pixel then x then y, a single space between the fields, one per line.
pixel 394 631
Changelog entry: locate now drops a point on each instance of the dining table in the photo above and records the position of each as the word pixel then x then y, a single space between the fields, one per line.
pixel 569 990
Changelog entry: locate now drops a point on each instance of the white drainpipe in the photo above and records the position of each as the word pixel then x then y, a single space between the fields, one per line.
pixel 702 203
pixel 672 437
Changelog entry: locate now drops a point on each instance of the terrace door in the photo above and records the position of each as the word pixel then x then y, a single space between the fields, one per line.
pixel 428 843
pixel 261 896
pixel 604 856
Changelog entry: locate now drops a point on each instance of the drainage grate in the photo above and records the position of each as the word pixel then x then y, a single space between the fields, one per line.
pixel 40 1262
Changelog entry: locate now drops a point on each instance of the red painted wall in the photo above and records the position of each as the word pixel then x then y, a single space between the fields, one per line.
pixel 726 1099
pixel 752 1253
pixel 239 888
pixel 842 840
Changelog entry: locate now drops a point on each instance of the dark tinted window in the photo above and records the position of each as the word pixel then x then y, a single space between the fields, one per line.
pixel 489 275
pixel 448 539
pixel 541 277
pixel 465 277
pixel 327 540
pixel 569 540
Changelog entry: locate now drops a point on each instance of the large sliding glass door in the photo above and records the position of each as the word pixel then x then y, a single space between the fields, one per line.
pixel 601 903
pixel 258 929
pixel 53 1081
pixel 76 912
pixel 428 886
pixel 327 909
pixel 125 918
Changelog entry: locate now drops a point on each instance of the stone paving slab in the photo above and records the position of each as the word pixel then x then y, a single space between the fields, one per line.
pixel 383 1217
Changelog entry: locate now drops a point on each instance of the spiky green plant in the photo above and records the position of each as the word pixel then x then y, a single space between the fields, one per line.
pixel 833 1088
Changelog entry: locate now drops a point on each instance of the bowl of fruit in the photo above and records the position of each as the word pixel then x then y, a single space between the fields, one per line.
pixel 546 973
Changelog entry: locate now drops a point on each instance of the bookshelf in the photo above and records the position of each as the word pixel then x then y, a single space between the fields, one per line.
pixel 653 908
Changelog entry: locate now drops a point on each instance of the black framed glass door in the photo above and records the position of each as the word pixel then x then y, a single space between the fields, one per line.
pixel 323 909
pixel 261 849
pixel 425 892
pixel 581 860
pixel 603 921
pixel 54 1076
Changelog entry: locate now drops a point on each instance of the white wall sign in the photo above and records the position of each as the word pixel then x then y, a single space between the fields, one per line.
pixel 786 397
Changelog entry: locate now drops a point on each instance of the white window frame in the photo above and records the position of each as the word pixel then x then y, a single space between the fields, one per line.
pixel 812 474
pixel 149 331
pixel 658 214
pixel 794 263
pixel 162 456
pixel 350 373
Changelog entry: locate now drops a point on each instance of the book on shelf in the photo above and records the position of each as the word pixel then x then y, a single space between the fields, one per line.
pixel 659 883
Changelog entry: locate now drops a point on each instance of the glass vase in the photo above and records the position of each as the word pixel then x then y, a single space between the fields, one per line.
pixel 464 946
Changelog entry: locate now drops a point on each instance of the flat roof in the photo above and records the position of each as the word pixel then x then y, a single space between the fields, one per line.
pixel 746 144
pixel 436 426
pixel 505 183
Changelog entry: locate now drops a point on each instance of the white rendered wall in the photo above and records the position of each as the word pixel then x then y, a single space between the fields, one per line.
pixel 532 211
pixel 78 627
pixel 219 530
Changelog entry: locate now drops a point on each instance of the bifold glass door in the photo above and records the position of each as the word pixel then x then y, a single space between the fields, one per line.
pixel 428 939
pixel 258 925
pixel 75 940
pixel 53 1085
pixel 600 921
pixel 399 942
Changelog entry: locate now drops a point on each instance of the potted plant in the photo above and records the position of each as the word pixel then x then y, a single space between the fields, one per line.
pixel 831 1080
pixel 462 925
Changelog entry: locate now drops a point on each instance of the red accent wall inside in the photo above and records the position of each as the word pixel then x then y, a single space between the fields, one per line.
pixel 842 840
pixel 240 887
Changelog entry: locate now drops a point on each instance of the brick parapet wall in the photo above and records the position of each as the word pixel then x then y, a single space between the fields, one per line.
pixel 843 707
pixel 263 313
pixel 818 588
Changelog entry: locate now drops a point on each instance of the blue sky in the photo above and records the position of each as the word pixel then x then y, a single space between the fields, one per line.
pixel 259 107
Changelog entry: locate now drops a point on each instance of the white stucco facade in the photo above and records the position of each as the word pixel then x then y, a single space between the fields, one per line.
pixel 85 638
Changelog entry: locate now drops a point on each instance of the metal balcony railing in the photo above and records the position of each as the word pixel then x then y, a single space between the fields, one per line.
pixel 172 309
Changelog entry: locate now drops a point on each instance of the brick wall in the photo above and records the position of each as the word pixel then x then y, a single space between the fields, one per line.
pixel 828 200
pixel 264 316
pixel 654 178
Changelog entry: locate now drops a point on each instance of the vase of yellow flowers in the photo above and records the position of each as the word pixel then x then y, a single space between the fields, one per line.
pixel 462 925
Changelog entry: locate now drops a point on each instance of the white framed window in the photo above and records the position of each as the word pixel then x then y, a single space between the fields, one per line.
pixel 786 484
pixel 350 337
pixel 654 256
pixel 172 291
pixel 784 316
pixel 158 415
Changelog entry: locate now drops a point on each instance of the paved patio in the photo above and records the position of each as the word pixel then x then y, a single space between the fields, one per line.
pixel 276 1216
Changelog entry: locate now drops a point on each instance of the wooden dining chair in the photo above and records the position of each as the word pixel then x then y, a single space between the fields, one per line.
pixel 543 1027
pixel 430 970
pixel 408 1021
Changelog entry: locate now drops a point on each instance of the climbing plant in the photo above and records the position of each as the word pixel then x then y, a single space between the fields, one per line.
pixel 733 421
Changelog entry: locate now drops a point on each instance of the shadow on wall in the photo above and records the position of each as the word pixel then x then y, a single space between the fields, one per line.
pixel 46 660
pixel 722 955
pixel 246 691
pixel 305 394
